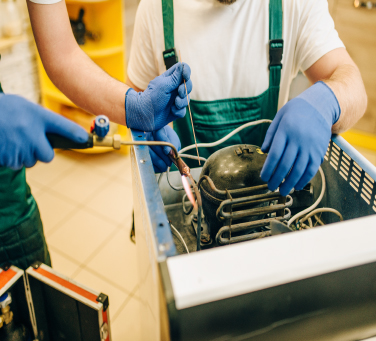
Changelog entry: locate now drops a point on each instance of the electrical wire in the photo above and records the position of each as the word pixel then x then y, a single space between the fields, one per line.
pixel 193 157
pixel 312 207
pixel 223 139
pixel 320 210
pixel 171 185
pixel 181 237
pixel 318 220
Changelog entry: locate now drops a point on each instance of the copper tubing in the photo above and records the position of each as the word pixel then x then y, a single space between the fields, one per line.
pixel 173 155
pixel 199 212
pixel 150 143
pixel 179 163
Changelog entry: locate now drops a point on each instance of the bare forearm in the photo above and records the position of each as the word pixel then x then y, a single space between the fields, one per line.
pixel 88 86
pixel 347 84
pixel 69 68
pixel 341 74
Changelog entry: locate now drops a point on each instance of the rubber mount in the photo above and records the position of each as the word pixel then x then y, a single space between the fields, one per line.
pixel 102 125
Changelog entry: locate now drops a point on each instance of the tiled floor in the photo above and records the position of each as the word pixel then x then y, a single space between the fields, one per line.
pixel 86 206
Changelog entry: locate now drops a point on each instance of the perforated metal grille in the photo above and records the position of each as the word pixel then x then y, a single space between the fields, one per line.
pixel 357 178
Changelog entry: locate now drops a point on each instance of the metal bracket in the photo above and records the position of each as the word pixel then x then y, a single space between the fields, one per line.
pixel 205 232
pixel 104 332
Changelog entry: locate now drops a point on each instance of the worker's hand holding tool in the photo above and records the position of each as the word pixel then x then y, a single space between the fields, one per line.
pixel 23 128
pixel 298 138
pixel 162 102
pixel 159 154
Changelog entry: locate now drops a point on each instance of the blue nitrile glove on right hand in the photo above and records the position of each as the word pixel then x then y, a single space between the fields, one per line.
pixel 159 154
pixel 23 128
pixel 298 138
pixel 162 102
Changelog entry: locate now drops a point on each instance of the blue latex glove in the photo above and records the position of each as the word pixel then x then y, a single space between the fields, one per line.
pixel 298 138
pixel 162 102
pixel 23 128
pixel 159 154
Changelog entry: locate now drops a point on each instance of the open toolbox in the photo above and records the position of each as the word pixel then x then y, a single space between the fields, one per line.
pixel 315 284
pixel 49 306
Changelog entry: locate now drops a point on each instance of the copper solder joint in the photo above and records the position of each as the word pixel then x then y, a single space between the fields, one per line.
pixel 179 163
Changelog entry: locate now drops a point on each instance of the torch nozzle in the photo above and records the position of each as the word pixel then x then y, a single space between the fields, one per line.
pixel 179 163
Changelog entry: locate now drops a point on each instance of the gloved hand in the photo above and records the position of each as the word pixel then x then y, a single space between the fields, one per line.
pixel 162 102
pixel 298 138
pixel 159 154
pixel 23 128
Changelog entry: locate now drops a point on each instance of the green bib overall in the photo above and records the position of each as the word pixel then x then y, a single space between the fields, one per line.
pixel 22 240
pixel 215 119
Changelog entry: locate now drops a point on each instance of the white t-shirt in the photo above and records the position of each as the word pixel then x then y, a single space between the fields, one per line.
pixel 227 46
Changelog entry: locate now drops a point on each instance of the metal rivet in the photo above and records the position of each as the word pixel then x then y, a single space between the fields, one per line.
pixel 142 161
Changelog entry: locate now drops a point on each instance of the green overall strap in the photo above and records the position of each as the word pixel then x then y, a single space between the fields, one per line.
pixel 275 43
pixel 169 55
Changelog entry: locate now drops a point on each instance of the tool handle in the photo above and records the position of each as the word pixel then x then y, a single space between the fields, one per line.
pixel 61 142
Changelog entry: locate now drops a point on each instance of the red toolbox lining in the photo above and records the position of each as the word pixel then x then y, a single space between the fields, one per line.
pixel 6 276
pixel 67 284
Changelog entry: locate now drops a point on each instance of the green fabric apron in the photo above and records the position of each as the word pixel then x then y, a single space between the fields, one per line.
pixel 215 119
pixel 22 240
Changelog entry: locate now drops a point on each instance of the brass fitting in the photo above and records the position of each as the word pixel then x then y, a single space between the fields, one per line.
pixel 113 141
pixel 7 314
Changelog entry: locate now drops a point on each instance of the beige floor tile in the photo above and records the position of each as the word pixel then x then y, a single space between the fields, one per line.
pixel 115 201
pixel 62 264
pixel 80 184
pixel 124 173
pixel 126 326
pixel 53 209
pixel 116 296
pixel 117 261
pixel 108 163
pixel 81 235
pixel 35 186
pixel 45 173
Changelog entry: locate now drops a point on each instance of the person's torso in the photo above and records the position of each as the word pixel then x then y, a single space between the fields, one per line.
pixel 227 46
pixel 16 201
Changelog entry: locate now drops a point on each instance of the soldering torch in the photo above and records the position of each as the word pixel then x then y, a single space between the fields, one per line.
pixel 98 138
